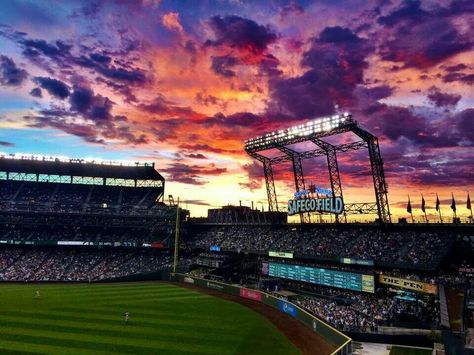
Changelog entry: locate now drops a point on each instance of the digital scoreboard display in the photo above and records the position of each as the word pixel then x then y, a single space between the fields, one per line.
pixel 320 276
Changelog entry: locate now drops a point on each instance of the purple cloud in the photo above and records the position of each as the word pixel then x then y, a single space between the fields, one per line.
pixel 10 74
pixel 191 174
pixel 54 87
pixel 240 33
pixel 6 144
pixel 420 38
pixel 222 65
pixel 337 61
pixel 441 99
pixel 36 92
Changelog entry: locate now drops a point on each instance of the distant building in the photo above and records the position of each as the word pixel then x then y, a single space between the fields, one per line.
pixel 244 214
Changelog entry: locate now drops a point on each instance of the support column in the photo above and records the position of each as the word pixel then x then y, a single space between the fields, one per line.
pixel 270 184
pixel 298 176
pixel 378 175
pixel 333 170
pixel 380 186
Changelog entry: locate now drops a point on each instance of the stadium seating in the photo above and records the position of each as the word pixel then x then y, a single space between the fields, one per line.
pixel 21 264
pixel 408 248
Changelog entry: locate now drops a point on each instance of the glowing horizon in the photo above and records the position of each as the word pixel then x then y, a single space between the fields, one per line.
pixel 184 86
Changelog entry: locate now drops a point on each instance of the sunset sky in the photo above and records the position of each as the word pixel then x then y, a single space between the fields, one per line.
pixel 184 83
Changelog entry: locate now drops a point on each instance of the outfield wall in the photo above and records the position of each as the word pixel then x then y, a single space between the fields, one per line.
pixel 342 342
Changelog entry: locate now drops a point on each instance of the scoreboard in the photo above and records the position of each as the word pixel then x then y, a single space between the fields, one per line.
pixel 320 276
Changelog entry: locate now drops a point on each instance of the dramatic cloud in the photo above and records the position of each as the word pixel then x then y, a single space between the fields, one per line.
pixel 441 99
pixel 195 156
pixel 10 74
pixel 36 92
pixel 164 107
pixel 337 59
pixel 171 21
pixel 185 86
pixel 420 38
pixel 240 33
pixel 94 107
pixel 254 172
pixel 460 73
pixel 54 87
pixel 34 48
pixel 191 174
pixel 6 144
pixel 223 65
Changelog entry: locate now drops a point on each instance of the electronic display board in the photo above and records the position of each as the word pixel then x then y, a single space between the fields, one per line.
pixel 321 276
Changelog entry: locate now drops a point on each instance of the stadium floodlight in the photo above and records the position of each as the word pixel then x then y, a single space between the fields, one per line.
pixel 320 126
pixel 65 159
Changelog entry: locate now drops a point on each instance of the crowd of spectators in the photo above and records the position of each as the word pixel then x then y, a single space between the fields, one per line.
pixel 408 247
pixel 83 233
pixel 365 313
pixel 355 311
pixel 60 264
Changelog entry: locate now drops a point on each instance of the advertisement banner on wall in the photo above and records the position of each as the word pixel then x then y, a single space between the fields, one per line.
pixel 280 254
pixel 287 308
pixel 365 262
pixel 250 294
pixel 214 286
pixel 408 284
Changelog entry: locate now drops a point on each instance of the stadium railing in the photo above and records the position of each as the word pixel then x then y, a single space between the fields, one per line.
pixel 341 341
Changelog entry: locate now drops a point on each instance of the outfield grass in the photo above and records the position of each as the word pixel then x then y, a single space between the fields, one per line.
pixel 399 350
pixel 164 319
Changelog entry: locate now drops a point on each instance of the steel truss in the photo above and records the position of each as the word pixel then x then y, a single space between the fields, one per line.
pixel 333 169
pixel 368 141
pixel 298 175
pixel 269 181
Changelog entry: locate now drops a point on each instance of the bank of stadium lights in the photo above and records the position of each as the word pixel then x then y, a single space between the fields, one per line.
pixel 316 126
pixel 65 159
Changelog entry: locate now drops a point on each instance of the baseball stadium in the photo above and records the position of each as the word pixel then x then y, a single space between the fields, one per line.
pixel 236 177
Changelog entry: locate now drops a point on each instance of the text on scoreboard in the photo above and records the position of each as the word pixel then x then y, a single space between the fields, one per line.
pixel 320 276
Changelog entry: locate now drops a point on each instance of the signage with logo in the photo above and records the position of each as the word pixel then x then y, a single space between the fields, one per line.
pixel 250 294
pixel 287 308
pixel 280 254
pixel 215 248
pixel 408 284
pixel 189 280
pixel 214 286
pixel 333 205
pixel 318 190
pixel 353 261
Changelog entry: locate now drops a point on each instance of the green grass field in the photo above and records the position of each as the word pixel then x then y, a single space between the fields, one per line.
pixel 164 319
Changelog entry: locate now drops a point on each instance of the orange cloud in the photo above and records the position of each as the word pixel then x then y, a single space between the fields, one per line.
pixel 171 22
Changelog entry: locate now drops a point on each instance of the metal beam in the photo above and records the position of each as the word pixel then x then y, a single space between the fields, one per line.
pixel 361 208
pixel 333 169
pixel 369 141
pixel 346 127
pixel 378 175
pixel 342 148
pixel 270 185
pixel 269 181
pixel 298 175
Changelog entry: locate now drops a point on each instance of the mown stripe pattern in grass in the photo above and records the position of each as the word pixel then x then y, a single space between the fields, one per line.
pixel 164 319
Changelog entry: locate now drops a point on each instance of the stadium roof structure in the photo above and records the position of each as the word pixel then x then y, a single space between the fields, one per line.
pixel 313 131
pixel 32 164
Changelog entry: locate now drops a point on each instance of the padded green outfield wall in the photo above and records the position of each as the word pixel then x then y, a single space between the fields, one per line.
pixel 342 342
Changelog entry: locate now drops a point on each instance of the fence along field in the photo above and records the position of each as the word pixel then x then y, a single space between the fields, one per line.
pixel 167 319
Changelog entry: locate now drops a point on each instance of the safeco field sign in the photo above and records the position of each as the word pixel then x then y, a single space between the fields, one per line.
pixel 332 205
